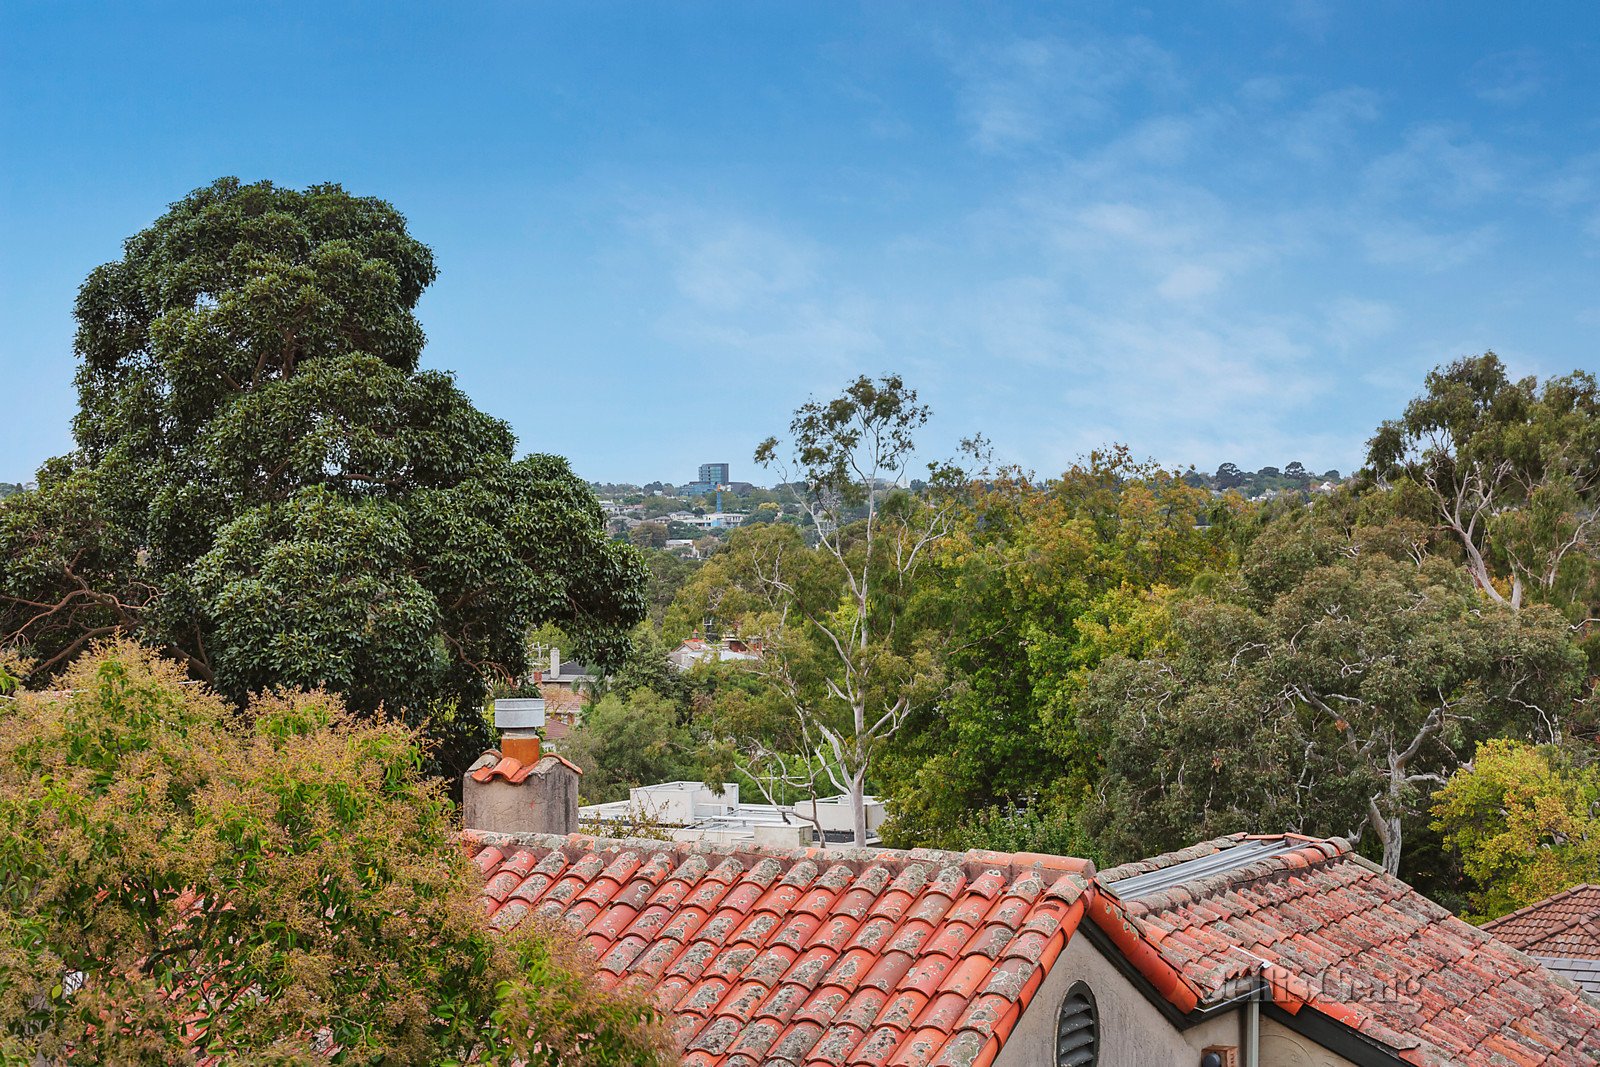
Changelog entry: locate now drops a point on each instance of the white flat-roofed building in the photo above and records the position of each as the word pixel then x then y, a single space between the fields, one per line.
pixel 693 811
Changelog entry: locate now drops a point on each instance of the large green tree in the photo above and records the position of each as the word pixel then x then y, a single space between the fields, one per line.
pixel 267 487
pixel 1330 687
pixel 1511 471
pixel 1525 821
pixel 1037 578
pixel 183 882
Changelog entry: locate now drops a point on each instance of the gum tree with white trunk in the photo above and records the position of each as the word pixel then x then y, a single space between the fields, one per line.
pixel 849 671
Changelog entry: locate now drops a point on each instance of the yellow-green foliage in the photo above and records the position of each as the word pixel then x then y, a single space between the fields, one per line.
pixel 1525 823
pixel 283 886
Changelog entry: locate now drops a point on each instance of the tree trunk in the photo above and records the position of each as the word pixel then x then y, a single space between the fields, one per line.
pixel 858 805
pixel 1391 847
pixel 1387 827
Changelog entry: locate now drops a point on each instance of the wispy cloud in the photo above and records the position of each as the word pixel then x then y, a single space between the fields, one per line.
pixel 1205 275
pixel 752 287
pixel 1327 127
pixel 1440 165
pixel 1021 92
pixel 1398 243
pixel 1508 78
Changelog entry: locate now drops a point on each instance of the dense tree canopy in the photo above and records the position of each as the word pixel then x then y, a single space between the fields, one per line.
pixel 628 741
pixel 178 881
pixel 1525 821
pixel 1125 659
pixel 268 488
pixel 1026 594
pixel 1329 688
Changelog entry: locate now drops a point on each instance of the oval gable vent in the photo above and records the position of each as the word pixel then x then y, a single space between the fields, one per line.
pixel 1078 1030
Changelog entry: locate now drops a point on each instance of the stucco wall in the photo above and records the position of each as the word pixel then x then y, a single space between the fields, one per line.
pixel 1282 1047
pixel 1133 1033
pixel 546 802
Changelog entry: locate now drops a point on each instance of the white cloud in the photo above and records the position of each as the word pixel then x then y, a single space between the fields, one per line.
pixel 1326 129
pixel 1190 281
pixel 1351 320
pixel 1398 243
pixel 1239 276
pixel 751 287
pixel 736 265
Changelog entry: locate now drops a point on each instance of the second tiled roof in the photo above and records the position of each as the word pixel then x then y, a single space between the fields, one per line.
pixel 1565 925
pixel 1331 932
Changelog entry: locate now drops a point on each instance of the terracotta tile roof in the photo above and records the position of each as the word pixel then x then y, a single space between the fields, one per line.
pixel 1332 933
pixel 560 700
pixel 1566 925
pixel 514 770
pixel 849 957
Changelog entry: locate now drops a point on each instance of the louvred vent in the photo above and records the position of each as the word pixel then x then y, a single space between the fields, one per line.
pixel 1078 1031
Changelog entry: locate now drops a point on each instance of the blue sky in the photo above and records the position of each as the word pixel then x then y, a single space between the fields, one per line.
pixel 1233 231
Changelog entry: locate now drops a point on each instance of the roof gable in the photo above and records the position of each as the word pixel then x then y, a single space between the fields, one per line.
pixel 790 956
pixel 1329 931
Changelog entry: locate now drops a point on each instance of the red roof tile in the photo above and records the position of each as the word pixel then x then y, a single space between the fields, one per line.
pixel 514 770
pixel 852 957
pixel 1566 925
pixel 1331 932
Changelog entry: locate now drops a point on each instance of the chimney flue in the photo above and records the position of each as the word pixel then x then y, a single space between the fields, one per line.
pixel 519 720
pixel 519 788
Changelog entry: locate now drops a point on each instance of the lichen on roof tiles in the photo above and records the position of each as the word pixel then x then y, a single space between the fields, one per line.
pixel 1566 925
pixel 1330 931
pixel 791 956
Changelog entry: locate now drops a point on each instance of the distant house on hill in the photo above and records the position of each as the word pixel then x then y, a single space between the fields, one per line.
pixel 683 546
pixel 565 685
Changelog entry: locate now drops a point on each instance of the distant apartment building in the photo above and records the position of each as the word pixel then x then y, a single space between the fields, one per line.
pixel 712 477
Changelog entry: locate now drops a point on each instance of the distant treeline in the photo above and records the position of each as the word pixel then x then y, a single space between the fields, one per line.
pixel 1250 484
pixel 8 488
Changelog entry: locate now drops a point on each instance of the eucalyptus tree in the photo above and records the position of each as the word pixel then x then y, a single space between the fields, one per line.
pixel 1331 687
pixel 1511 470
pixel 850 672
pixel 267 487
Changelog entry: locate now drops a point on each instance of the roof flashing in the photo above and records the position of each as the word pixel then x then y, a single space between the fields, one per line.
pixel 1222 862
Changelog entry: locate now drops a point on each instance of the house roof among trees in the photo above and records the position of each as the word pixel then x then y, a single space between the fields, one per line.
pixel 1331 933
pixel 790 956
pixel 1566 925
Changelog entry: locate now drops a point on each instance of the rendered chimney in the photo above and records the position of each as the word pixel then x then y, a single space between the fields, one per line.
pixel 519 790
